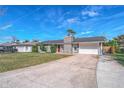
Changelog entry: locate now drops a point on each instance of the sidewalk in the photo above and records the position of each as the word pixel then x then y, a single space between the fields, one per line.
pixel 110 74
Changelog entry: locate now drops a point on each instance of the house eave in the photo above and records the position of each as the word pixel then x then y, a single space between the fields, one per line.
pixel 89 42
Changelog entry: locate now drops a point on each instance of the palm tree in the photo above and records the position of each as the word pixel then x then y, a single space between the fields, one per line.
pixel 71 32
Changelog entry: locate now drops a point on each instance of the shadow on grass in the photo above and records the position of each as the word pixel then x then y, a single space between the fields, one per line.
pixel 119 57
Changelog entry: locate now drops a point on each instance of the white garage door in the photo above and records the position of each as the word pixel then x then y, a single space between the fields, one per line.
pixel 88 50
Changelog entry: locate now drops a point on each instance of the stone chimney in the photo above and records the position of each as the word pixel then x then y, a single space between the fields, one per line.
pixel 68 44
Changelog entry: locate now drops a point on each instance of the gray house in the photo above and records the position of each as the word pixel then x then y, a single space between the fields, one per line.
pixel 70 44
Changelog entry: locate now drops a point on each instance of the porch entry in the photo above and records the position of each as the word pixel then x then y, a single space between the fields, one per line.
pixel 58 48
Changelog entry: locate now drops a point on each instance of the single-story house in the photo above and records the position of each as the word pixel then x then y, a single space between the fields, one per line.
pixel 21 47
pixel 70 44
pixel 25 47
pixel 6 47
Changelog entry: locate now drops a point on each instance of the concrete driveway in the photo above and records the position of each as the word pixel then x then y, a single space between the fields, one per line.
pixel 110 74
pixel 75 71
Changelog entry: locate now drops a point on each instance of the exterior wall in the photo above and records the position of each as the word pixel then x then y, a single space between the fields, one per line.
pixel 48 48
pixel 68 44
pixel 68 39
pixel 89 48
pixel 24 48
pixel 67 48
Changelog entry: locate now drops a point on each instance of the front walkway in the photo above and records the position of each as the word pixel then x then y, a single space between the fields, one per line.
pixel 110 74
pixel 75 71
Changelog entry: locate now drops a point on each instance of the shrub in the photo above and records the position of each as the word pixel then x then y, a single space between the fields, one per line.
pixel 53 48
pixel 42 47
pixel 117 49
pixel 35 48
pixel 122 50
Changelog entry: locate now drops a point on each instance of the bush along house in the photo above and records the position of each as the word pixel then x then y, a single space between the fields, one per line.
pixel 70 44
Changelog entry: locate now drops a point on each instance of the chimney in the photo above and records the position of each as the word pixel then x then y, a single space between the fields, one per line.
pixel 68 39
pixel 68 44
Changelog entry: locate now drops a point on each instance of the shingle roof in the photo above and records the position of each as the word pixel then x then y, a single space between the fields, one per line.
pixel 5 44
pixel 87 39
pixel 26 44
pixel 90 39
pixel 20 44
pixel 53 42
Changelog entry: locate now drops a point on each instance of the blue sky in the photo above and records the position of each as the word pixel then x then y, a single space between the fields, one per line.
pixel 52 22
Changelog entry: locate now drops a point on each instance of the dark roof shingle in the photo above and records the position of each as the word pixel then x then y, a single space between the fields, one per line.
pixel 53 42
pixel 87 39
pixel 90 39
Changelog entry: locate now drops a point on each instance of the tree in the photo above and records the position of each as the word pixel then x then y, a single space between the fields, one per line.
pixel 35 41
pixel 71 32
pixel 17 41
pixel 119 38
pixel 25 41
pixel 111 43
pixel 114 46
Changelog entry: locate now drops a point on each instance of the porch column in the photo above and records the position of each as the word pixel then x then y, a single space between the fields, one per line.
pixel 57 49
pixel 101 48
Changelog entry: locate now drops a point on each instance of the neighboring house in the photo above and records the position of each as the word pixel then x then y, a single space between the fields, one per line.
pixel 70 44
pixel 24 47
pixel 7 47
pixel 21 47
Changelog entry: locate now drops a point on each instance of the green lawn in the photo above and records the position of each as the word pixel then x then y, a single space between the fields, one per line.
pixel 119 57
pixel 21 60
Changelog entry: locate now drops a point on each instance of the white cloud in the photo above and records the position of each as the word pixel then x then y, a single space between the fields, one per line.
pixel 8 37
pixel 86 32
pixel 68 22
pixel 5 38
pixel 6 27
pixel 90 13
pixel 72 20
pixel 64 24
pixel 119 28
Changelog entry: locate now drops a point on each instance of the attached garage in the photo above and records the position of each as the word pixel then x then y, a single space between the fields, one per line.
pixel 88 48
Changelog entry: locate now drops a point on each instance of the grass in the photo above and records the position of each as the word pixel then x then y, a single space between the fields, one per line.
pixel 20 60
pixel 119 57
